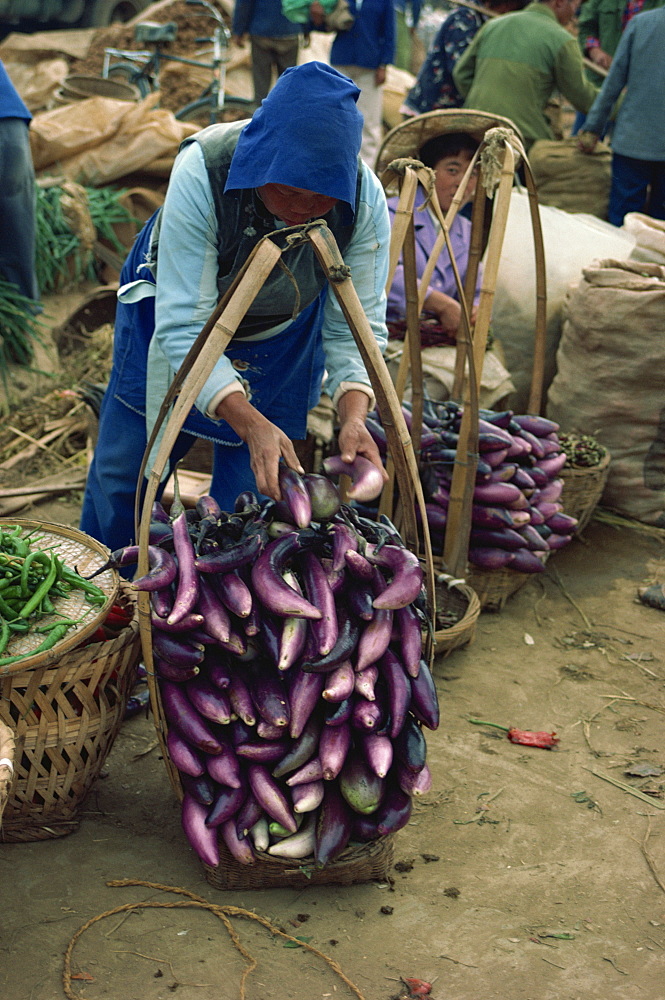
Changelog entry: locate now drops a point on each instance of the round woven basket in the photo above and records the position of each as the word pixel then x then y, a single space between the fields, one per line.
pixel 66 716
pixel 80 553
pixel 495 586
pixel 78 87
pixel 582 490
pixel 7 746
pixel 358 863
pixel 460 606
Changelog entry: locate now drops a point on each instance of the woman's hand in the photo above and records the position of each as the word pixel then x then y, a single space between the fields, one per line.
pixel 354 438
pixel 447 310
pixel 266 442
pixel 600 57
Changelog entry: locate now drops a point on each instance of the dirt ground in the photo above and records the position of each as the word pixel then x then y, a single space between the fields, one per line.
pixel 523 875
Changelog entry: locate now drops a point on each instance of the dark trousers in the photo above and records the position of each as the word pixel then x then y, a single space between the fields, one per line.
pixel 17 207
pixel 637 186
pixel 269 53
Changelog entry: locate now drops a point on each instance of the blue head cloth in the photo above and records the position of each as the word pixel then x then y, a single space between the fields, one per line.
pixel 306 134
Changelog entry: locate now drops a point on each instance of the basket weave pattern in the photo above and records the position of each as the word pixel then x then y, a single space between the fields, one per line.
pixel 357 863
pixel 582 490
pixel 66 716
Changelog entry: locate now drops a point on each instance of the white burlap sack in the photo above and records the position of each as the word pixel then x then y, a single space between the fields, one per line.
pixel 650 236
pixel 609 380
pixel 572 241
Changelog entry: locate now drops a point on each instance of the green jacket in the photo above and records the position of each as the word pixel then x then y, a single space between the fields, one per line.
pixel 514 65
pixel 602 19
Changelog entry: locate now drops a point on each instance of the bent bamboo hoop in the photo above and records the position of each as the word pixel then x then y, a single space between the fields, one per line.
pixel 196 368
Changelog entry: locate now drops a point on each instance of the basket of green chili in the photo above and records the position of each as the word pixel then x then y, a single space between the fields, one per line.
pixel 70 648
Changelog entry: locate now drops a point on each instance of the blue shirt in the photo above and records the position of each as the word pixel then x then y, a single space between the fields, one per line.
pixel 11 105
pixel 371 41
pixel 263 18
pixel 639 66
pixel 435 87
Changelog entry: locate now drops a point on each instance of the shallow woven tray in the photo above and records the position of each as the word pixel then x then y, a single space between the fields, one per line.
pixel 78 551
pixel 358 863
pixel 582 490
pixel 66 716
pixel 460 601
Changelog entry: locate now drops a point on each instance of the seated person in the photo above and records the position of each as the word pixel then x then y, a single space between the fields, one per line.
pixel 448 151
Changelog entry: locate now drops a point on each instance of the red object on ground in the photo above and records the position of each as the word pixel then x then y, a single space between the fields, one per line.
pixel 529 739
pixel 417 987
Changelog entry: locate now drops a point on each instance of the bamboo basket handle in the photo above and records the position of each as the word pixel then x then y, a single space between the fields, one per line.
pixel 476 249
pixel 540 342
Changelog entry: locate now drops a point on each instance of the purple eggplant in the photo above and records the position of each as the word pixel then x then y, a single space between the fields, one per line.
pixel 537 425
pixel 552 492
pixel 361 787
pixel 268 694
pixel 525 561
pixel 339 682
pixel 407 575
pixel 312 770
pixel 338 713
pixel 424 697
pixel 399 690
pixel 161 601
pixel 262 751
pixel 365 682
pixel 226 804
pixel 334 744
pixel 209 701
pixel 409 745
pixel 224 767
pixel 367 715
pixel 200 788
pixel 505 538
pixel 394 811
pixel 202 838
pixel 555 541
pixel 522 479
pixel 190 621
pixel 496 458
pixel 240 848
pixel 491 558
pixel 552 465
pixel 177 675
pixel 187 588
pixel 305 690
pixel 497 493
pixel 294 633
pixel 323 495
pixel 294 494
pixel 359 600
pixel 181 714
pixel 320 594
pixel 308 796
pixel 175 649
pixel 216 618
pixel 344 538
pixel 333 827
pixel 217 669
pixel 267 792
pixel 534 541
pixel 366 478
pixel 233 592
pixel 248 815
pixel 269 585
pixel 240 699
pixel 227 559
pixel 267 731
pixel 183 755
pixel 547 509
pixel 561 524
pixel 414 784
pixel 347 640
pixel 163 570
pixel 358 566
pixel 410 638
pixel 378 751
pixel 301 749
pixel 494 518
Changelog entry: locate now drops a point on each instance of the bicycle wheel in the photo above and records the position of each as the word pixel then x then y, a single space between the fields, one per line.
pixel 204 111
pixel 125 72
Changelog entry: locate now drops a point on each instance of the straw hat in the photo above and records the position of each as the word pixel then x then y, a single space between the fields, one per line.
pixel 408 138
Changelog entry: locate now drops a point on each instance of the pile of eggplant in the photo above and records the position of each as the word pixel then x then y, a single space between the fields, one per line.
pixel 287 642
pixel 516 517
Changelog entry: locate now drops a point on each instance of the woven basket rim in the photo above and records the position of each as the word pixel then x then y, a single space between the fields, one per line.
pixel 584 470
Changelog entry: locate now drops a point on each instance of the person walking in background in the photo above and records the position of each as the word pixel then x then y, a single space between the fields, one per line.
pixel 434 87
pixel 17 193
pixel 600 24
pixel 362 53
pixel 274 40
pixel 638 141
pixel 407 15
pixel 516 62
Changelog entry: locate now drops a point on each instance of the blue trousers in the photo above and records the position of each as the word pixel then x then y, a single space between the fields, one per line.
pixel 17 207
pixel 637 186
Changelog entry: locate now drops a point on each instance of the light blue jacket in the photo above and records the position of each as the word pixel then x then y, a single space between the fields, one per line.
pixel 639 66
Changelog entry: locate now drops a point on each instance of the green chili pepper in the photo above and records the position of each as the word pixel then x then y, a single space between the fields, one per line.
pixel 6 610
pixel 35 556
pixel 93 592
pixel 4 634
pixel 54 636
pixel 41 591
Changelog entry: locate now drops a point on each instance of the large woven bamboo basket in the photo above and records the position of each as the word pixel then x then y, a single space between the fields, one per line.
pixel 66 715
pixel 7 746
pixel 359 862
pixel 458 607
pixel 495 586
pixel 582 490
